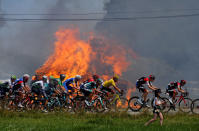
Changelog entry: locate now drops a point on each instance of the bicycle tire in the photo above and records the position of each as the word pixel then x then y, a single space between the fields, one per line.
pixel 134 109
pixel 121 105
pixel 193 104
pixel 188 104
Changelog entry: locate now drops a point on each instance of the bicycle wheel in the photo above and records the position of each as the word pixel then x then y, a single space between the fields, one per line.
pixel 78 106
pixel 195 106
pixel 121 105
pixel 98 107
pixel 185 105
pixel 134 105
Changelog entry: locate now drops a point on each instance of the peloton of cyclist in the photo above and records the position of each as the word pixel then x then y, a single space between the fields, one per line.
pixel 140 84
pixel 172 89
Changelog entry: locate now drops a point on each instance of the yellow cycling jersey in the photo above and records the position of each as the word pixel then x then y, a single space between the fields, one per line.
pixel 109 83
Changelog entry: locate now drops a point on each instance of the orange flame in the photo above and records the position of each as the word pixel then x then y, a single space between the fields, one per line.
pixel 75 56
pixel 71 55
pixel 129 92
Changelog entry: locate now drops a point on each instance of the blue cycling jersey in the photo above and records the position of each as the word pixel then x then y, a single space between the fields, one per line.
pixel 67 83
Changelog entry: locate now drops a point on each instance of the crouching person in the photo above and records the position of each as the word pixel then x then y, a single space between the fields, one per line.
pixel 156 108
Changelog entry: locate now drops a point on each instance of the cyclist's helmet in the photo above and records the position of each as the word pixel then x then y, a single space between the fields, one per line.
pixel 62 77
pixel 78 77
pixel 182 82
pixel 151 77
pixel 45 78
pixel 13 77
pixel 115 77
pixel 95 77
pixel 25 77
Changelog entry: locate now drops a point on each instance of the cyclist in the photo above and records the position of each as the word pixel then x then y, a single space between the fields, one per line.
pixel 34 79
pixel 156 108
pixel 94 78
pixel 71 81
pixel 140 84
pixel 105 87
pixel 39 86
pixel 60 82
pixel 50 88
pixel 13 78
pixel 171 89
pixel 19 86
pixel 4 89
pixel 89 88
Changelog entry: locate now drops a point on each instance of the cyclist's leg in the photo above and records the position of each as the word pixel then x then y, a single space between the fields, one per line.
pixel 145 94
pixel 174 95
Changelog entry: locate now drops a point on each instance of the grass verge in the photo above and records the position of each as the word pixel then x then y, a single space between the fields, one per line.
pixel 30 121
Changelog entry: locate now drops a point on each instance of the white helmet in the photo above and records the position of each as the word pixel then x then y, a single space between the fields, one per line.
pixel 44 77
pixel 26 75
pixel 78 77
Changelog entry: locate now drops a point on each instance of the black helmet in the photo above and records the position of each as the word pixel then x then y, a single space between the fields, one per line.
pixel 62 77
pixel 152 77
pixel 183 82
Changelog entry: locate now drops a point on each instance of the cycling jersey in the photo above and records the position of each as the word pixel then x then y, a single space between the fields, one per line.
pixel 18 84
pixel 143 81
pixel 50 88
pixel 173 85
pixel 11 84
pixel 59 82
pixel 67 83
pixel 39 87
pixel 140 84
pixel 87 88
pixel 109 83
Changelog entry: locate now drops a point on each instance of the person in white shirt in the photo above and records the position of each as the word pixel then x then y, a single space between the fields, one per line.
pixel 156 108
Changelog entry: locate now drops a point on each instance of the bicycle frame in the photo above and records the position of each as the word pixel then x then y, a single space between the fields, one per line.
pixel 116 96
pixel 181 97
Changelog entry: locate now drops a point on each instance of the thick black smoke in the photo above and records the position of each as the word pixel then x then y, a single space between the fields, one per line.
pixel 167 47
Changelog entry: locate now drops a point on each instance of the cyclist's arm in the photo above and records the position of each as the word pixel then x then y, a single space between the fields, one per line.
pixel 151 86
pixel 26 88
pixel 115 87
pixel 180 89
pixel 75 86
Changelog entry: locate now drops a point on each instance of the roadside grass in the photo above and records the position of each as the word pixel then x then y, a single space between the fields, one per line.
pixel 35 121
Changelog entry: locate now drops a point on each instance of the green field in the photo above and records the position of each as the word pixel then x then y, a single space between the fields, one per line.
pixel 14 121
